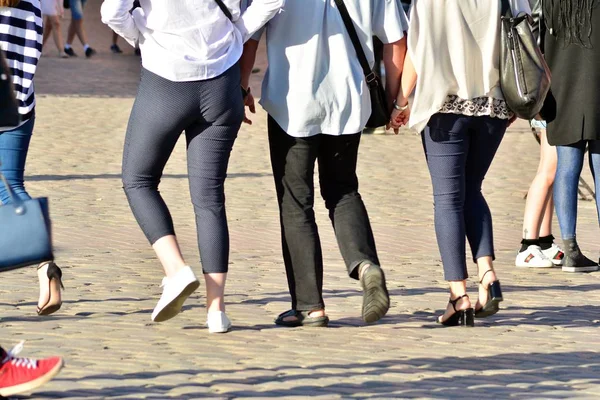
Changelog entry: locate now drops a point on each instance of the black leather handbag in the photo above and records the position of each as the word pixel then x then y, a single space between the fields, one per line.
pixel 9 109
pixel 524 74
pixel 380 112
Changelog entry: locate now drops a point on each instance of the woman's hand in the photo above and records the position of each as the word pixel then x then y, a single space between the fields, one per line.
pixel 398 119
pixel 249 102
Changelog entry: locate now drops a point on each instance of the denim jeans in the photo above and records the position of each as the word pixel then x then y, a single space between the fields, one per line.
pixel 293 161
pixel 568 171
pixel 14 145
pixel 459 151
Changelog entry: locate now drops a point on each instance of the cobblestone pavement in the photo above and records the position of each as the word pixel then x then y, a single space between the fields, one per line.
pixel 544 343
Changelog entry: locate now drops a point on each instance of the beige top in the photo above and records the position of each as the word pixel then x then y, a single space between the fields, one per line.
pixel 455 48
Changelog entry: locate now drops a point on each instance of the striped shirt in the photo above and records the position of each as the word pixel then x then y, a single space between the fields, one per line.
pixel 21 40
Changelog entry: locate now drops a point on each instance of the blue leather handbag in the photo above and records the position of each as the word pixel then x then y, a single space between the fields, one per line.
pixel 25 232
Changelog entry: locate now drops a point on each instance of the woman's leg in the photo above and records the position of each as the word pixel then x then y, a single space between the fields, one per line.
pixel 570 163
pixel 57 35
pixel 568 170
pixel 537 220
pixel 594 157
pixel 446 143
pixel 47 29
pixel 486 135
pixel 14 145
pixel 153 130
pixel 209 145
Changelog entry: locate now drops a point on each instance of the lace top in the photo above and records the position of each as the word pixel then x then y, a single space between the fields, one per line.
pixel 477 107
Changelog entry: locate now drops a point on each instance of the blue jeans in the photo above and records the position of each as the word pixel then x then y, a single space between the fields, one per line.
pixel 568 171
pixel 77 9
pixel 459 151
pixel 14 145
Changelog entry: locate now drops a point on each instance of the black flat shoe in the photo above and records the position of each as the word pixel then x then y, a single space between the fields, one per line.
pixel 460 317
pixel 492 306
pixel 302 319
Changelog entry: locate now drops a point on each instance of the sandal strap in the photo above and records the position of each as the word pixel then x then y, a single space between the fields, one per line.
pixel 484 274
pixel 453 302
pixel 288 313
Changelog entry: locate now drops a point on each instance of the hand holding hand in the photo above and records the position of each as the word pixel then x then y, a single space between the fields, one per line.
pixel 398 119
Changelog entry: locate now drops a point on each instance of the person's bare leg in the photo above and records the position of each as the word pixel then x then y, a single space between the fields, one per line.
pixel 115 37
pixel 47 30
pixel 80 32
pixel 168 252
pixel 215 291
pixel 457 289
pixel 57 34
pixel 71 32
pixel 539 207
pixel 485 264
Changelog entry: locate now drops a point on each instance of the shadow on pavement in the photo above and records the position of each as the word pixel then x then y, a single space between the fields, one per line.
pixel 548 375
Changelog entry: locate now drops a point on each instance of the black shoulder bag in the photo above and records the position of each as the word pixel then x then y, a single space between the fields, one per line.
pixel 524 74
pixel 380 114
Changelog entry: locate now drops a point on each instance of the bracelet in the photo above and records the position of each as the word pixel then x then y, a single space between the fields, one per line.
pixel 245 92
pixel 400 108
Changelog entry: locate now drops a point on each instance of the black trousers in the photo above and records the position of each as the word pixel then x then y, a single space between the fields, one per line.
pixel 293 161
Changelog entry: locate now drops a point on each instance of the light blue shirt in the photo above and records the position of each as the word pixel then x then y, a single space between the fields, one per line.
pixel 314 83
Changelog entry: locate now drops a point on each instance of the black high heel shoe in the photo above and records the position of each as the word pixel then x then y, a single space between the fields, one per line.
pixel 54 303
pixel 460 317
pixel 492 306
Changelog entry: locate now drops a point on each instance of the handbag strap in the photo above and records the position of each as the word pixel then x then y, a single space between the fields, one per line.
pixel 370 76
pixel 16 201
pixel 505 10
pixel 224 8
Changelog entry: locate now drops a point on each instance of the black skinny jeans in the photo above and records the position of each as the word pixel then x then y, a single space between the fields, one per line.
pixel 293 161
pixel 210 112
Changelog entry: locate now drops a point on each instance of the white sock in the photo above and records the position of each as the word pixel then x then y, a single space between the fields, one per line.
pixel 67 46
pixel 85 47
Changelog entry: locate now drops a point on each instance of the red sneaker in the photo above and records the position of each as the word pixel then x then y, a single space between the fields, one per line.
pixel 20 375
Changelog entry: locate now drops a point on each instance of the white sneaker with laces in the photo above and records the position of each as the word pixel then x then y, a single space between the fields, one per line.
pixel 218 322
pixel 555 254
pixel 175 291
pixel 533 257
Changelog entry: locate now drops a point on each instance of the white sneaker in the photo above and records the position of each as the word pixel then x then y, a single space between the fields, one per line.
pixel 533 258
pixel 555 254
pixel 175 291
pixel 218 322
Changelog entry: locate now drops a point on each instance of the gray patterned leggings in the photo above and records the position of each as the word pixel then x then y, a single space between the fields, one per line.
pixel 210 112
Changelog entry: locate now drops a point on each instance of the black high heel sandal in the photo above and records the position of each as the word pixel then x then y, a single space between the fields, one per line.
pixel 492 306
pixel 460 317
pixel 54 285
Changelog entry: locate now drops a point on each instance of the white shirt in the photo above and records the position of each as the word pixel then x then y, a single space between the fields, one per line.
pixel 455 48
pixel 187 40
pixel 314 83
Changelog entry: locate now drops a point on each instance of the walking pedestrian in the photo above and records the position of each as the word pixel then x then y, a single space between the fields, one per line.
pixel 538 249
pixel 76 28
pixel 572 50
pixel 53 11
pixel 190 82
pixel 21 39
pixel 459 109
pixel 317 100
